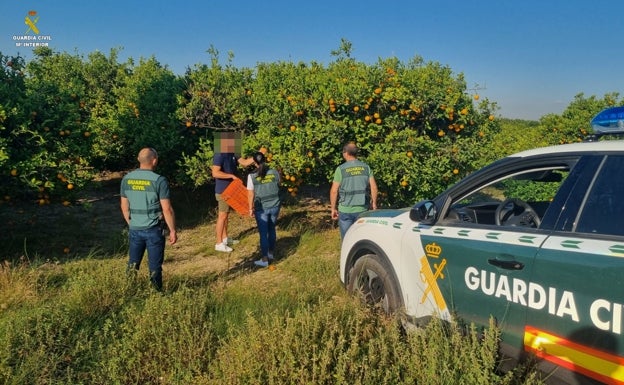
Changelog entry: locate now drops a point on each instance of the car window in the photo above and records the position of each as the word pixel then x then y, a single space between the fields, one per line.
pixel 603 211
pixel 518 199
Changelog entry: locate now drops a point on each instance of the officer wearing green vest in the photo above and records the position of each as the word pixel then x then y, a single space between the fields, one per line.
pixel 146 207
pixel 264 205
pixel 353 191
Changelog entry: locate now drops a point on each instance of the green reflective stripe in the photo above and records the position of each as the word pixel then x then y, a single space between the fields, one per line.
pixel 617 249
pixel 571 244
pixel 354 192
pixel 585 245
pixel 526 239
pixel 397 225
pixel 268 197
pixel 508 237
pixel 416 229
pixel 145 212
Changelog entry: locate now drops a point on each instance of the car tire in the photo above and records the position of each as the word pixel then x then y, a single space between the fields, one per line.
pixel 371 278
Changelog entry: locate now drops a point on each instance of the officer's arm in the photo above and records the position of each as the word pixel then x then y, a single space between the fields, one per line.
pixel 374 192
pixel 169 215
pixel 125 209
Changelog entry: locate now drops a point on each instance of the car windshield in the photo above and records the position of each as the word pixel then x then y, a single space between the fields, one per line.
pixel 533 190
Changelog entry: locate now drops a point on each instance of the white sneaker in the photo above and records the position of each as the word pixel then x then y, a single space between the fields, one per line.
pixel 270 256
pixel 223 247
pixel 261 263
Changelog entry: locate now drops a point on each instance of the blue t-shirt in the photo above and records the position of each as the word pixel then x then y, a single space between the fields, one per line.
pixel 229 164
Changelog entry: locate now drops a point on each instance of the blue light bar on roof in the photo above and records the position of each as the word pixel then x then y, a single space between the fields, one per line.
pixel 609 121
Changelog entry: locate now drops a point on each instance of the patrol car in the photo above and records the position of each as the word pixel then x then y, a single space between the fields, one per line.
pixel 534 240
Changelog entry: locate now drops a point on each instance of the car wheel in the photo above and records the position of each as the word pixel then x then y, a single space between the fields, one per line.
pixel 371 279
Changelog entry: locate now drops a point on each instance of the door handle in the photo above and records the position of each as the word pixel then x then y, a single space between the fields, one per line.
pixel 508 265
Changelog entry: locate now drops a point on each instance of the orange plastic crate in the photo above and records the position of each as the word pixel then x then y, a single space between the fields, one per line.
pixel 235 195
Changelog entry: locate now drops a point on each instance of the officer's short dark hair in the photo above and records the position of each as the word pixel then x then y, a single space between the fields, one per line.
pixel 350 148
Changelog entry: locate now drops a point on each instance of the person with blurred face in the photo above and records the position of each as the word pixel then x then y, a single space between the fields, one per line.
pixel 224 167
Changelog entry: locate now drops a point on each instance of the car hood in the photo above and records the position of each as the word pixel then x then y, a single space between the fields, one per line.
pixel 385 213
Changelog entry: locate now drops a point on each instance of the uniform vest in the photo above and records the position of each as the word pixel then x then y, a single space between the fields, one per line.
pixel 266 190
pixel 142 188
pixel 353 189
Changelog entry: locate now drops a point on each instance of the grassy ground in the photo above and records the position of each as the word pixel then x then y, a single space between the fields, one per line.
pixel 73 317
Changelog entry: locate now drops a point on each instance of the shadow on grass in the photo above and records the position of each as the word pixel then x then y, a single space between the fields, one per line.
pixel 91 226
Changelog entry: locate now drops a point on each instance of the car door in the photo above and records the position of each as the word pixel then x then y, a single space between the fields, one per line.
pixel 581 266
pixel 483 268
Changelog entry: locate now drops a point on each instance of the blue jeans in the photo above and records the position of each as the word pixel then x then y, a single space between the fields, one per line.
pixel 266 220
pixel 345 220
pixel 153 241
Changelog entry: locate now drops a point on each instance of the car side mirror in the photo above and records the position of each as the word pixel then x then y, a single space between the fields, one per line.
pixel 424 212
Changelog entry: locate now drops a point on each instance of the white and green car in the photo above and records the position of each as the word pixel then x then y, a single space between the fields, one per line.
pixel 534 240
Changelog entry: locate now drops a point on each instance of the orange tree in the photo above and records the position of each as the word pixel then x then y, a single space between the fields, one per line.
pixel 12 96
pixel 144 115
pixel 43 156
pixel 573 125
pixel 416 123
pixel 216 98
pixel 63 118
